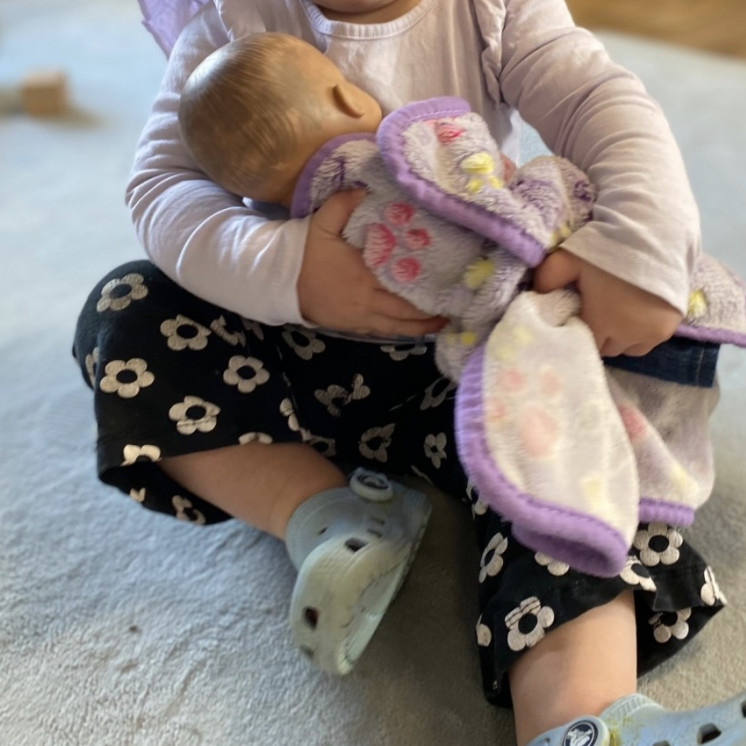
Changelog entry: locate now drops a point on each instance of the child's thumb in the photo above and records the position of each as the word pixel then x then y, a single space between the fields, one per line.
pixel 557 271
pixel 335 212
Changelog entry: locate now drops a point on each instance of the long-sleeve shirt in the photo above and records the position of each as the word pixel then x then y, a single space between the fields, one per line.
pixel 510 59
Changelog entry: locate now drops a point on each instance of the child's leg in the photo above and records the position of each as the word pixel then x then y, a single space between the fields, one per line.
pixel 198 417
pixel 557 643
pixel 259 484
pixel 578 669
pixel 352 552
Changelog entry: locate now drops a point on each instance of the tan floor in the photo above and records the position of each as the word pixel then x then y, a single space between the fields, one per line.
pixel 716 25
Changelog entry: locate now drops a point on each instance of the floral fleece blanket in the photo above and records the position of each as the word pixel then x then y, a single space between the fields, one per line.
pixel 573 452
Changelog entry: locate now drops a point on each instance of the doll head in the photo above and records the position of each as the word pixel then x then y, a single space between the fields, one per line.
pixel 257 109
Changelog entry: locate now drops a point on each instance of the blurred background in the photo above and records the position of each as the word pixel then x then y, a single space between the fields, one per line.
pixel 714 25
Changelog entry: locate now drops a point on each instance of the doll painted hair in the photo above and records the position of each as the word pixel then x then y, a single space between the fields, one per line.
pixel 242 109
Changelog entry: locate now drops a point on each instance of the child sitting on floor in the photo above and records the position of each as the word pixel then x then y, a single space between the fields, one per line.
pixel 267 403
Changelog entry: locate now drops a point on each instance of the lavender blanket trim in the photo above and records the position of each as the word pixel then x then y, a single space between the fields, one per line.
pixel 454 227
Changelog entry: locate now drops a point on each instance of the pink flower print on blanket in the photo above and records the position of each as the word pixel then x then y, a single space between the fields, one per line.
pixel 398 214
pixel 379 245
pixel 446 131
pixel 405 270
pixel 417 239
pixel 512 403
pixel 561 455
pixel 390 245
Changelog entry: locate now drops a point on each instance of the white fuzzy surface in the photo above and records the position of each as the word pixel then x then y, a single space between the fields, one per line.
pixel 120 627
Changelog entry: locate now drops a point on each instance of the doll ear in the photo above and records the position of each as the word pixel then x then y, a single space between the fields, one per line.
pixel 347 100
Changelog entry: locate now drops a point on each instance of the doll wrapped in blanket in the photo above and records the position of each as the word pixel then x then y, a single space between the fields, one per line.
pixel 574 450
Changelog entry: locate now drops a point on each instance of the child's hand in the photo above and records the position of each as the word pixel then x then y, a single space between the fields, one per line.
pixel 623 318
pixel 337 290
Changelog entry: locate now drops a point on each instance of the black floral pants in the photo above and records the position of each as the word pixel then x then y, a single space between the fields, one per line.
pixel 172 375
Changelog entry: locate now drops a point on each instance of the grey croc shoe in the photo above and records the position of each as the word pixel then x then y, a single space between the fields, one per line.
pixel 353 547
pixel 636 720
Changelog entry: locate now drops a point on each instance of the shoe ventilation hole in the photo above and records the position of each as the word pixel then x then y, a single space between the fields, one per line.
pixel 743 709
pixel 708 733
pixel 355 545
pixel 375 532
pixel 311 616
pixel 323 530
pixel 662 743
pixel 377 519
pixel 309 652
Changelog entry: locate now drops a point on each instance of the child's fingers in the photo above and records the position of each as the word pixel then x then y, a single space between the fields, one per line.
pixel 385 326
pixel 557 271
pixel 388 304
pixel 335 212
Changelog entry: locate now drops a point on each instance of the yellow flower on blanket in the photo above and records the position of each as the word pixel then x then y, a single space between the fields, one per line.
pixel 468 339
pixel 459 339
pixel 478 272
pixel 559 236
pixel 593 489
pixel 481 167
pixel 682 483
pixel 522 335
pixel 506 349
pixel 697 305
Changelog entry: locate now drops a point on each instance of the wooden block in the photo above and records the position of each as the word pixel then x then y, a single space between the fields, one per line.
pixel 44 93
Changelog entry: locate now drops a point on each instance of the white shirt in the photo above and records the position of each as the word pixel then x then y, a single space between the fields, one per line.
pixel 505 57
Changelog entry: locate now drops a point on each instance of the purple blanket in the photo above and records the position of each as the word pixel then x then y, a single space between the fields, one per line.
pixel 574 454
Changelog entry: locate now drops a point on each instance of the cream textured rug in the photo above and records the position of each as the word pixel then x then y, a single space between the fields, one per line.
pixel 118 627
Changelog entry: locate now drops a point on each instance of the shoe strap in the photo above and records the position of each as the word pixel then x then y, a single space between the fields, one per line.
pixel 584 731
pixel 371 485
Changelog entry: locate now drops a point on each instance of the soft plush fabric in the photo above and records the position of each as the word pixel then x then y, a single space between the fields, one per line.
pixel 122 628
pixel 574 461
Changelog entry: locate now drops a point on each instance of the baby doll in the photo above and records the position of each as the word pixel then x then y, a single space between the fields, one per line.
pixel 257 110
pixel 262 114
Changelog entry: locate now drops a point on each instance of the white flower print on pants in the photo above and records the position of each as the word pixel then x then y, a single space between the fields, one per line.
pixel 435 448
pixel 185 511
pixel 658 543
pixel 182 333
pixel 303 342
pixel 246 373
pixel 125 378
pixel 710 591
pixel 133 454
pixel 527 623
pixel 667 625
pixel 375 442
pixel 492 560
pixel 194 415
pixel 117 294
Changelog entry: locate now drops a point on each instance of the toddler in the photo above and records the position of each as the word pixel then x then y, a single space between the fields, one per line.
pixel 271 403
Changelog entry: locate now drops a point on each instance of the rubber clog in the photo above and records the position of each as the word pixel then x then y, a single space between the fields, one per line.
pixel 353 547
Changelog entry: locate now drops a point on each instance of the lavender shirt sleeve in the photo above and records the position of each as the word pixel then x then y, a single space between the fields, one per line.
pixel 202 237
pixel 645 227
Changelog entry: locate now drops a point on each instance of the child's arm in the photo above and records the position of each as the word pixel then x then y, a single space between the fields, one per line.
pixel 645 227
pixel 198 234
pixel 207 240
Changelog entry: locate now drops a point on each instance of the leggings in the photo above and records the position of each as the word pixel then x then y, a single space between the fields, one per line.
pixel 172 374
